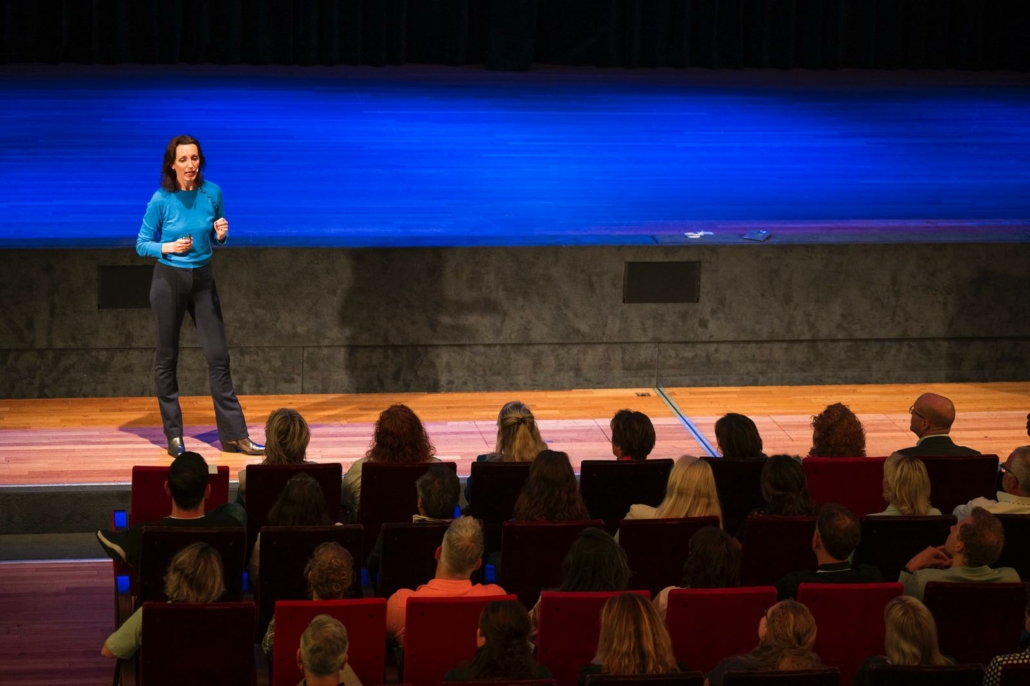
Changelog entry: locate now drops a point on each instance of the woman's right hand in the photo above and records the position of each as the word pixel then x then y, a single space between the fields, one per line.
pixel 179 247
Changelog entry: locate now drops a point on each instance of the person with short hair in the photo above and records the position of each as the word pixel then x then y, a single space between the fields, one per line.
pixel 786 636
pixel 194 576
pixel 837 535
pixel 690 492
pixel 837 432
pixel 633 640
pixel 1014 498
pixel 286 442
pixel 503 647
pixel 992 676
pixel 551 492
pixel 322 655
pixel 910 639
pixel 932 417
pixel 189 489
pixel 713 562
pixel 974 544
pixel 633 435
pixel 906 487
pixel 457 557
pixel 737 438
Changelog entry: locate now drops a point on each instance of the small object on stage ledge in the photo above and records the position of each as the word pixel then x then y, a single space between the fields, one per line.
pixel 756 235
pixel 698 234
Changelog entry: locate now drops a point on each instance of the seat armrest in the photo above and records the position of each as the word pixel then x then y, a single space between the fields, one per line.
pixel 125 672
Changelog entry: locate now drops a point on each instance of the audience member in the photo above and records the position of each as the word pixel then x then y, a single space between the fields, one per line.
pixel 518 439
pixel 633 640
pixel 504 651
pixel 786 635
pixel 633 435
pixel 785 489
pixel 330 575
pixel 322 654
pixel 399 436
pixel 992 677
pixel 837 432
pixel 738 438
pixel 932 417
pixel 713 562
pixel 551 493
pixel 690 492
pixel 460 554
pixel 906 487
pixel 1014 498
pixel 594 563
pixel 189 489
pixel 194 576
pixel 300 503
pixel 837 535
pixel 910 639
pixel 974 544
pixel 438 490
pixel 286 442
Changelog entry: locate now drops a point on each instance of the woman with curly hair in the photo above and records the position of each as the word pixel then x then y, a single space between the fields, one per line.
pixel 504 651
pixel 399 436
pixel 786 635
pixel 633 640
pixel 550 493
pixel 836 432
pixel 286 442
pixel 330 573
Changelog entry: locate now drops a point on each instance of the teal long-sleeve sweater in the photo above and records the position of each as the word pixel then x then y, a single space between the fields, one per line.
pixel 172 215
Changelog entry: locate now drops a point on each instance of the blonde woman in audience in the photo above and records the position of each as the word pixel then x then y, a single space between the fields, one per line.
pixel 330 573
pixel 690 492
pixel 786 635
pixel 633 640
pixel 910 639
pixel 713 562
pixel 518 439
pixel 194 576
pixel 286 442
pixel 906 487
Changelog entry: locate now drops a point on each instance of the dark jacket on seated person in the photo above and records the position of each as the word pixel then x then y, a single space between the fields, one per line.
pixel 934 446
pixel 839 573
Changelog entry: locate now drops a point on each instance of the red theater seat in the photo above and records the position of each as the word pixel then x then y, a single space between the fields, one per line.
pixel 890 542
pixel 658 548
pixel 774 547
pixel 956 675
pixel 807 677
pixel 709 625
pixel 678 679
pixel 266 481
pixel 532 553
pixel 956 480
pixel 388 494
pixel 739 483
pixel 609 487
pixel 408 557
pixel 1016 553
pixel 995 610
pixel 498 485
pixel 854 482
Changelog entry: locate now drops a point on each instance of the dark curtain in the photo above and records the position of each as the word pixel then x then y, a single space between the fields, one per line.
pixel 514 34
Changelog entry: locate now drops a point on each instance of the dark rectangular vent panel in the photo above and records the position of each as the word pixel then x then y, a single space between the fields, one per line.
pixel 661 282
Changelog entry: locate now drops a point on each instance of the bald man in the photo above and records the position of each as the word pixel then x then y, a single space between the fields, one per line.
pixel 932 417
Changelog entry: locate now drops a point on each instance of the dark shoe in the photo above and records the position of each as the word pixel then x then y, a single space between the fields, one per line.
pixel 175 447
pixel 243 445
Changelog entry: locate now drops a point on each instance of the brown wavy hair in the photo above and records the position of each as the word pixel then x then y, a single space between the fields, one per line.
pixel 836 432
pixel 633 638
pixel 551 493
pixel 330 572
pixel 790 636
pixel 286 437
pixel 508 652
pixel 169 182
pixel 400 437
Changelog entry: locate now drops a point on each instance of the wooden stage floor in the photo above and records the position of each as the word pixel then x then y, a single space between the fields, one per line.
pixel 98 440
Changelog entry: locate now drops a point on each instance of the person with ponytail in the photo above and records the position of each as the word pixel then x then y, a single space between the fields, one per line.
pixel 504 651
pixel 910 639
pixel 518 438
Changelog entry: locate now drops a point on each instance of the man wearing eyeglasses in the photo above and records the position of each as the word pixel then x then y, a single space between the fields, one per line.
pixel 1014 498
pixel 932 417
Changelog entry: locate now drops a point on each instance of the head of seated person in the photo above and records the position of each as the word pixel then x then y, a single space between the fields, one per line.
pixel 461 551
pixel 504 649
pixel 188 485
pixel 286 437
pixel 837 534
pixel 906 485
pixel 595 562
pixel 1016 473
pixel 551 493
pixel 690 491
pixel 911 634
pixel 633 638
pixel 837 432
pixel 439 490
pixel 737 437
pixel 785 488
pixel 195 575
pixel 400 436
pixel 976 541
pixel 518 437
pixel 323 651
pixel 329 572
pixel 301 503
pixel 786 636
pixel 713 561
pixel 633 435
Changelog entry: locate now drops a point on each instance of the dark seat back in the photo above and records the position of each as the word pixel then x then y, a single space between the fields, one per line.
pixel 266 481
pixel 955 480
pixel 804 677
pixel 775 546
pixel 890 542
pixel 388 494
pixel 1016 552
pixel 854 482
pixel 609 487
pixel 657 549
pixel 285 551
pixel 218 639
pixel 954 675
pixel 148 501
pixel 497 485
pixel 996 610
pixel 408 556
pixel 161 543
pixel 739 483
pixel 678 679
pixel 1015 675
pixel 532 553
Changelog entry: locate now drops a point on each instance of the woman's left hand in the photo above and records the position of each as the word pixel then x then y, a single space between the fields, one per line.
pixel 221 228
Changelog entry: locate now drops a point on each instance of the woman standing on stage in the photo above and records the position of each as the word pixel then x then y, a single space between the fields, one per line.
pixel 182 221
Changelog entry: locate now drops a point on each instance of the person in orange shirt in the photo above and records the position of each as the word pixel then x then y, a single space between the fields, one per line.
pixel 460 554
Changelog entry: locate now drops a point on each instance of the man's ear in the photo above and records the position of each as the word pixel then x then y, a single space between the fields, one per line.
pixel 300 662
pixel 439 550
pixel 479 563
pixel 207 491
pixel 168 491
pixel 344 663
pixel 817 541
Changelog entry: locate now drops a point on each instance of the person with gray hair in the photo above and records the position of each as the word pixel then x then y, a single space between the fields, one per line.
pixel 457 558
pixel 1014 498
pixel 322 655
